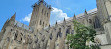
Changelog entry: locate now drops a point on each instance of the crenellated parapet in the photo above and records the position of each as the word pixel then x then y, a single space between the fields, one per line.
pixel 44 3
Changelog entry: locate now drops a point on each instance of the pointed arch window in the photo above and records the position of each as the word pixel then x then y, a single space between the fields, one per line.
pixel 8 39
pixel 43 24
pixel 90 21
pixel 67 31
pixel 40 22
pixel 51 36
pixel 59 33
pixel 21 38
pixel 47 14
pixel 42 11
pixel 15 37
pixel 72 32
pixel 36 40
pixel 11 29
pixel 97 23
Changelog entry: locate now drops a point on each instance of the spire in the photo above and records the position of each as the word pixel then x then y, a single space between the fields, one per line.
pixel 85 11
pixel 13 17
pixel 86 15
pixel 7 20
pixel 64 22
pixel 64 19
pixel 56 22
pixel 74 17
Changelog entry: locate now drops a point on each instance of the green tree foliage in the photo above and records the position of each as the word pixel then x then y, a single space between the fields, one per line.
pixel 80 36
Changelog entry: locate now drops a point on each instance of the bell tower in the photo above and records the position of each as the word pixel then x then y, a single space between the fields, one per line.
pixel 40 15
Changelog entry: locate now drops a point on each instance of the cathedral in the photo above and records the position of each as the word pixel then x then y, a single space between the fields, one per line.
pixel 41 35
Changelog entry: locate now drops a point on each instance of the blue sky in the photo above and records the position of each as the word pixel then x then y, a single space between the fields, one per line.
pixel 62 8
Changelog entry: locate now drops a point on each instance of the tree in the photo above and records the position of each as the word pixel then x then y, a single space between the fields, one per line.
pixel 81 35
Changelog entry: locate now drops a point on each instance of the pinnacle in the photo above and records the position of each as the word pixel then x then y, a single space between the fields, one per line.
pixel 64 19
pixel 74 17
pixel 85 11
pixel 56 22
pixel 13 17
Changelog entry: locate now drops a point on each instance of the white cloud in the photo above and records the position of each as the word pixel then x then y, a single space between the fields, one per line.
pixel 27 18
pixel 56 15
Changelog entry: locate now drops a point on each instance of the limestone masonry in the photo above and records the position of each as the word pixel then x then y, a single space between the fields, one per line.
pixel 40 35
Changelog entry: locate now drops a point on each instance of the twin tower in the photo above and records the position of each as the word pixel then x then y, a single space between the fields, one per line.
pixel 40 16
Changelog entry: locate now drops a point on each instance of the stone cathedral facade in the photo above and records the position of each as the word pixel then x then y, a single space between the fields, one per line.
pixel 40 35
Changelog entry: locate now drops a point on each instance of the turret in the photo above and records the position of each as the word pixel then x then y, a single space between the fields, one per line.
pixel 40 15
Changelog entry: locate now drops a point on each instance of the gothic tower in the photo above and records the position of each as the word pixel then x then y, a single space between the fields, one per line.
pixel 40 16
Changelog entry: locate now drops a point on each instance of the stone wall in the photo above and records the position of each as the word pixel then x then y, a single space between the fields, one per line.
pixel 106 47
pixel 38 35
pixel 16 37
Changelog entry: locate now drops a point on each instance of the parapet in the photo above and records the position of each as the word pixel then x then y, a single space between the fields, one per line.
pixel 44 3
